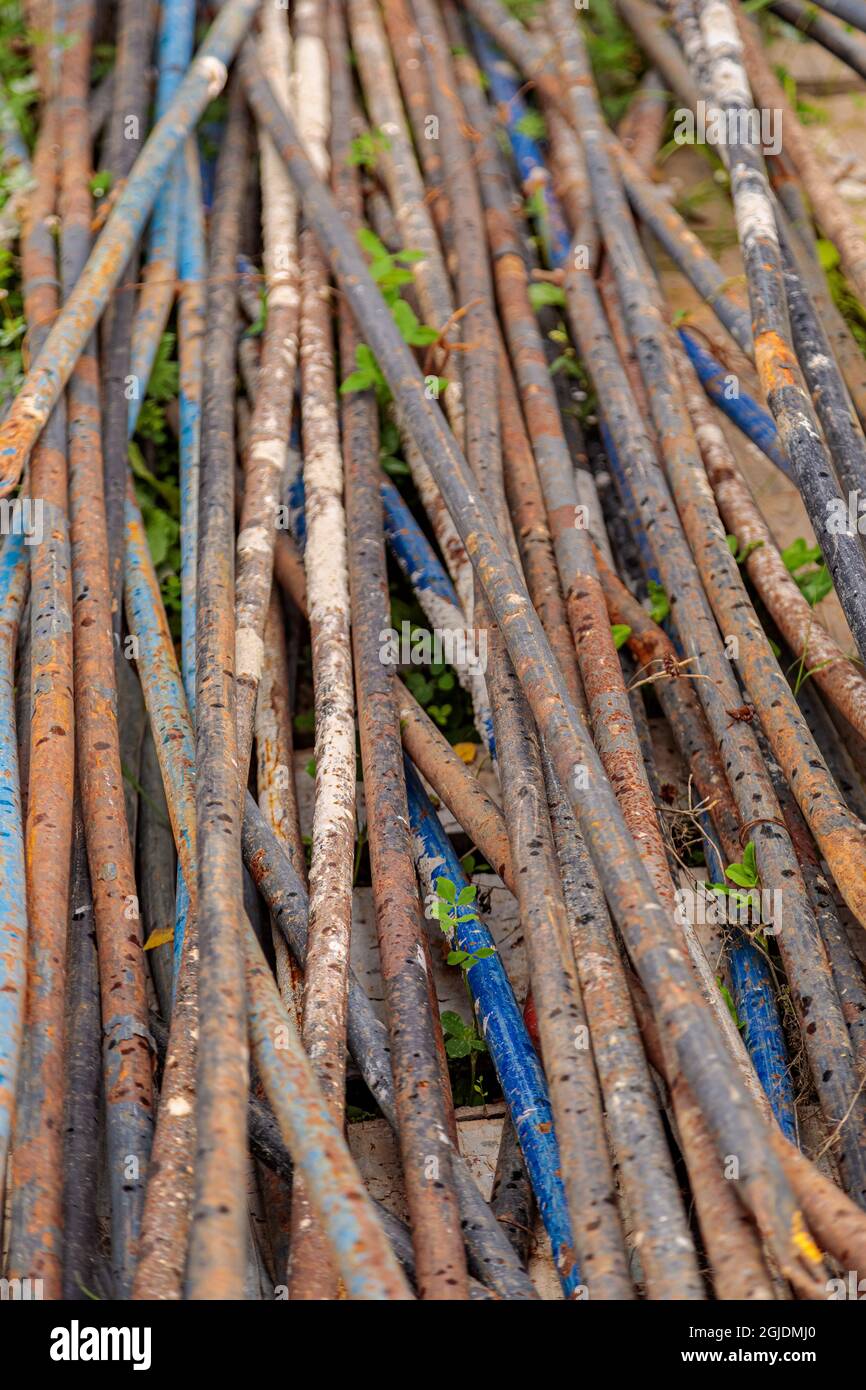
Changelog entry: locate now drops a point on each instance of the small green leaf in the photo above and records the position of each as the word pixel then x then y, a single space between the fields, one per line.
pixel 167 490
pixel 542 293
pixel 394 467
pixel 356 381
pixel 620 632
pixel 405 318
pixel 660 605
pixel 732 1008
pixel 364 149
pixel 101 183
pixel 466 895
pixel 421 687
pixel 828 255
pixel 422 336
pixel 799 553
pixel 815 585
pixel 483 953
pixel 532 124
pixel 750 859
pixel 458 1047
pixel 164 380
pixel 370 243
pixel 568 363
pixel 747 550
pixel 742 875
pixel 162 532
pixel 446 889
pixel 452 1023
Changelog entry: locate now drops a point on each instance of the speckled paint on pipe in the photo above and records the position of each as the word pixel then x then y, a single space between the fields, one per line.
pixel 218 1241
pixel 34 1238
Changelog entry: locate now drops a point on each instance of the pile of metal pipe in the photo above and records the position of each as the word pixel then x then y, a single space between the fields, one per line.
pixel 383 577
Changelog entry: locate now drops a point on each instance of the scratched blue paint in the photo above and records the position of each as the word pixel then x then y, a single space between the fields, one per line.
pixel 169 714
pixel 506 91
pixel 411 548
pixel 154 658
pixel 501 1025
pixel 13 898
pixel 749 417
pixel 755 1001
pixel 192 268
pixel 192 262
pixel 177 240
pixel 173 54
pixel 296 499
pixel 427 575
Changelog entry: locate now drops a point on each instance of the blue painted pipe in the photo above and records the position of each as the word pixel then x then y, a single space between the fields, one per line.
pixel 173 56
pixel 754 998
pixel 506 90
pixel 501 1023
pixel 14 567
pixel 743 411
pixel 411 548
pixel 192 269
pixel 296 498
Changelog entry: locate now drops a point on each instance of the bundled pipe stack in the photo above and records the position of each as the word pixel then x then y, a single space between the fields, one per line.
pixel 348 318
